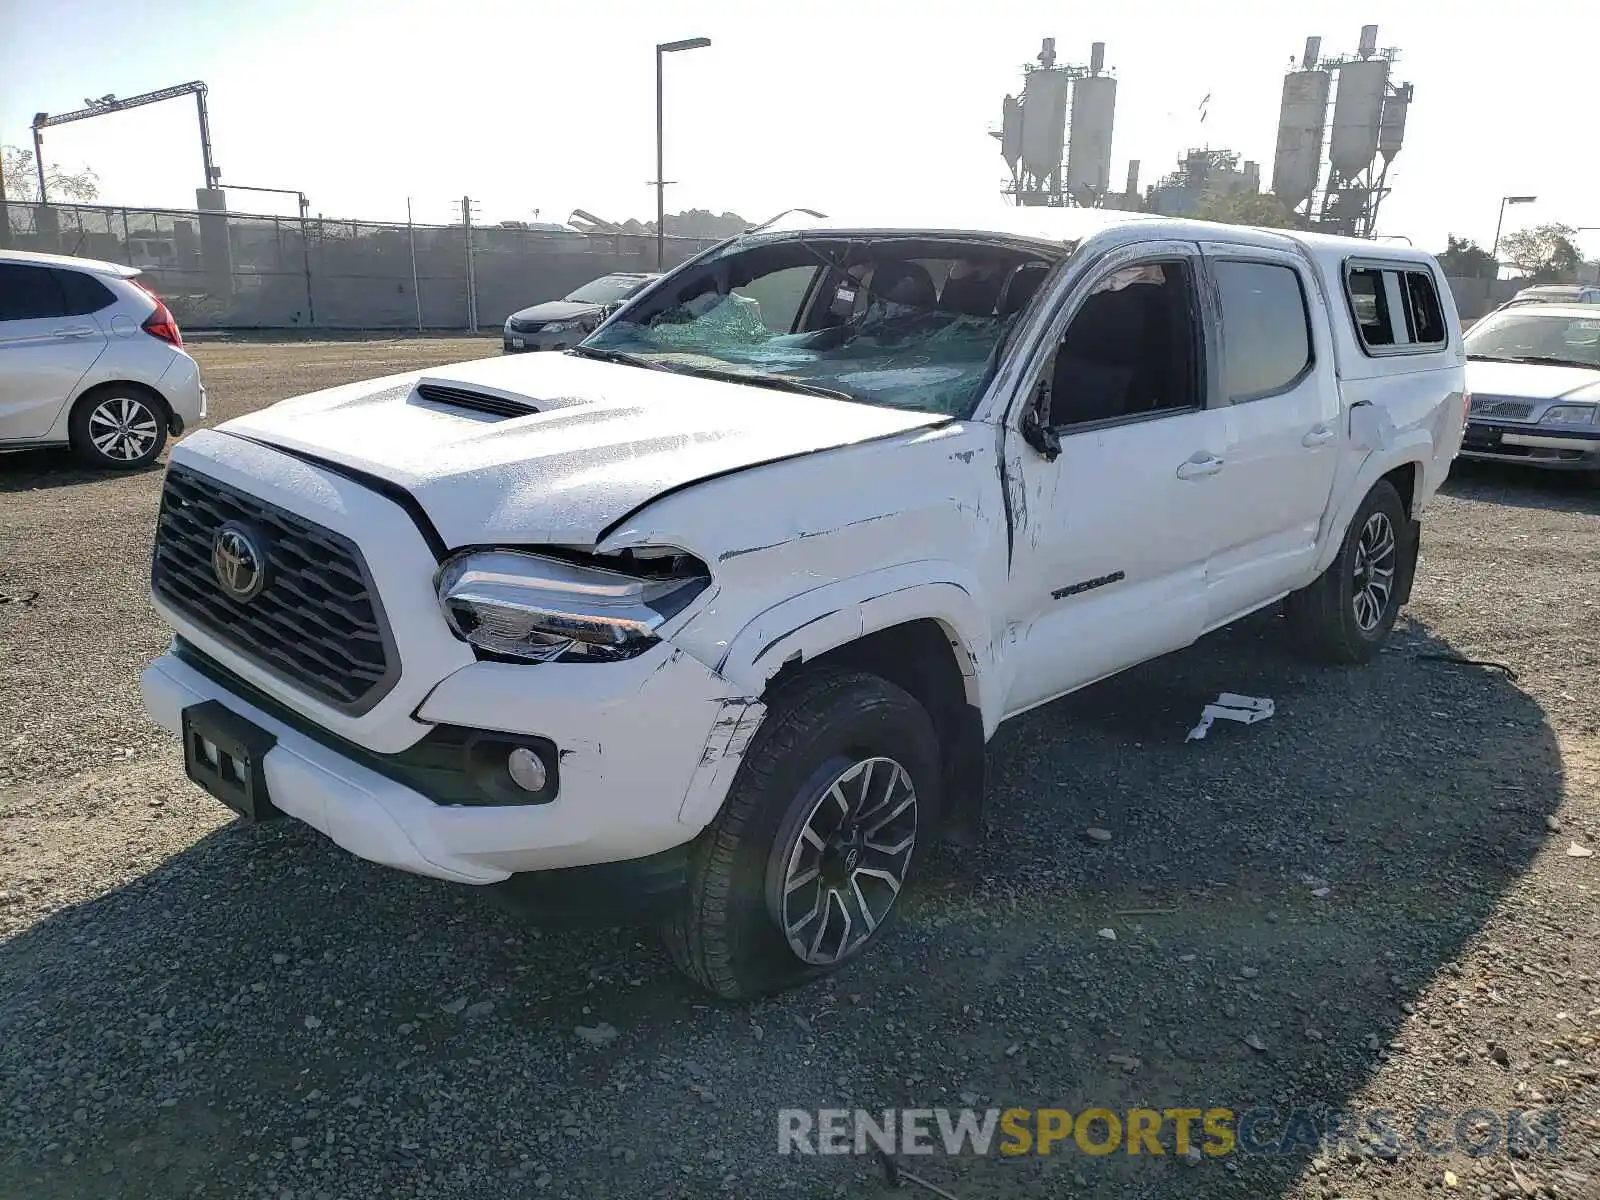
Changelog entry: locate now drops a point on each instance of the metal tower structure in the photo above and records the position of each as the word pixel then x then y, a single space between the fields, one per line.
pixel 110 104
pixel 1332 162
pixel 1048 167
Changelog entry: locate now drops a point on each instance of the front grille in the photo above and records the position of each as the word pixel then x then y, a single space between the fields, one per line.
pixel 517 326
pixel 316 623
pixel 1494 406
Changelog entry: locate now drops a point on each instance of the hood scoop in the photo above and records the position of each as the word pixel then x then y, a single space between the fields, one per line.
pixel 492 404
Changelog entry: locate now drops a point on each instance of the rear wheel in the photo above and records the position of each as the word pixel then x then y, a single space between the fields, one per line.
pixel 118 427
pixel 1346 615
pixel 828 817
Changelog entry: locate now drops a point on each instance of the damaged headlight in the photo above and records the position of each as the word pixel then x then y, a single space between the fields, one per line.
pixel 538 607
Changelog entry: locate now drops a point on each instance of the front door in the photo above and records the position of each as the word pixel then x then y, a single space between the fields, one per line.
pixel 44 351
pixel 1112 535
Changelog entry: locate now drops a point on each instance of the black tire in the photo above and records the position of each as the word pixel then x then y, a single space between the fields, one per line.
pixel 1324 620
pixel 141 417
pixel 726 937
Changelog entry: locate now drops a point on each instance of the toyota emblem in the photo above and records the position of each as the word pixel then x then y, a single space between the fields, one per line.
pixel 238 562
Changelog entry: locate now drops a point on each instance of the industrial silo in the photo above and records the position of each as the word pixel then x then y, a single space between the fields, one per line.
pixel 1094 104
pixel 1044 121
pixel 1357 114
pixel 1011 132
pixel 1301 122
pixel 1392 127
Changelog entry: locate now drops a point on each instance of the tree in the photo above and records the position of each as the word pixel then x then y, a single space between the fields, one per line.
pixel 1463 258
pixel 1544 253
pixel 22 180
pixel 1236 207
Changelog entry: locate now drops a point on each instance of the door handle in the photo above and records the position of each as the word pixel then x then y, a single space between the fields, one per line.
pixel 1199 467
pixel 72 331
pixel 1320 436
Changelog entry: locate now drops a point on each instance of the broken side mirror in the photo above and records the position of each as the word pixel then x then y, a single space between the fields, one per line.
pixel 1035 431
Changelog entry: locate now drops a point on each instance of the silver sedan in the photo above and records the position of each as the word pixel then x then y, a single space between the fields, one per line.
pixel 1534 375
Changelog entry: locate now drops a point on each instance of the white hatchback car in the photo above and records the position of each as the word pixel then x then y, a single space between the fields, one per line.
pixel 90 357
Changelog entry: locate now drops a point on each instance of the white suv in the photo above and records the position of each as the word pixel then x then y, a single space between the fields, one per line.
pixel 714 614
pixel 92 358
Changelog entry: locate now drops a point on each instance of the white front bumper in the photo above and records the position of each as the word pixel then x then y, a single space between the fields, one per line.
pixel 638 775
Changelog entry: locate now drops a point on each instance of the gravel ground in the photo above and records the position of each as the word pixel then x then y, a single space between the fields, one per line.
pixel 1367 902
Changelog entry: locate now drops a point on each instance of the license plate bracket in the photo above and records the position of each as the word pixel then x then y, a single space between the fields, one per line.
pixel 226 755
pixel 1479 437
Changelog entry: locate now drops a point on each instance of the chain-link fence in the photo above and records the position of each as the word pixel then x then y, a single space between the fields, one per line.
pixel 221 270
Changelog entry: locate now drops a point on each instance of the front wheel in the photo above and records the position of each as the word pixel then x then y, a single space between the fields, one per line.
pixel 828 817
pixel 118 428
pixel 1346 615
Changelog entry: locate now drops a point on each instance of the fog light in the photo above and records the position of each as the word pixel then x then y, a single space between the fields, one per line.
pixel 526 769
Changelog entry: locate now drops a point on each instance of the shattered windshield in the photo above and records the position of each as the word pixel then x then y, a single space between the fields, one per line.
pixel 913 323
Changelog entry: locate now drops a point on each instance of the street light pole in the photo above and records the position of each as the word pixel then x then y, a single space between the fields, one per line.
pixel 663 49
pixel 1494 252
pixel 661 171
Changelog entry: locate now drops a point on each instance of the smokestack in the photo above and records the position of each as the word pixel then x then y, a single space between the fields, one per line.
pixel 1097 57
pixel 1308 61
pixel 1133 177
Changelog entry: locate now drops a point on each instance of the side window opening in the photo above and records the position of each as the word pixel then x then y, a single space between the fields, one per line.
pixel 779 296
pixel 82 293
pixel 29 293
pixel 1369 301
pixel 1266 328
pixel 1426 316
pixel 1130 350
pixel 1396 310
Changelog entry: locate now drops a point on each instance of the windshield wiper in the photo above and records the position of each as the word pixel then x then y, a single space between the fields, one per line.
pixel 1551 360
pixel 617 356
pixel 1491 358
pixel 778 383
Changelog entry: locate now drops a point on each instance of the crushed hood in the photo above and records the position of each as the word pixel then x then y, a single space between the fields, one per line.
pixel 1529 381
pixel 607 438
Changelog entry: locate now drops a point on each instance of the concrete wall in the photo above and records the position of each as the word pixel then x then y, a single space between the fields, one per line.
pixel 1475 297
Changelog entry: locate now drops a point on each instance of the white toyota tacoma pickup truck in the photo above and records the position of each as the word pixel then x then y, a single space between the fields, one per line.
pixel 711 617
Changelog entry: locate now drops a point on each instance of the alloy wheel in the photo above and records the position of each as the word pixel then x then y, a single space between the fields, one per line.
pixel 834 883
pixel 123 428
pixel 1376 554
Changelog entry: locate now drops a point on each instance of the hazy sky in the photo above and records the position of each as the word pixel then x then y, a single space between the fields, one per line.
pixel 551 106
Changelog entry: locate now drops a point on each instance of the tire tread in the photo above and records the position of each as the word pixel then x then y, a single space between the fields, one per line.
pixel 1320 623
pixel 698 935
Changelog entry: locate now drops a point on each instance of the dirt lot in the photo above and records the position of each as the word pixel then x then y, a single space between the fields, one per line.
pixel 1367 902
